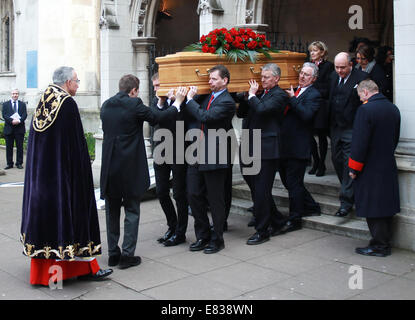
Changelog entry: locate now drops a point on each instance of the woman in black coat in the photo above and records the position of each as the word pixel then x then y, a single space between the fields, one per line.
pixel 318 55
pixel 365 56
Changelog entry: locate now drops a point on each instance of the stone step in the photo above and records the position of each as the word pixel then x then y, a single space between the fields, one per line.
pixel 354 228
pixel 327 185
pixel 328 204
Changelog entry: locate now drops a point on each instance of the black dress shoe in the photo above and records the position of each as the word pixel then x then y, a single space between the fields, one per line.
pixel 290 226
pixel 8 167
pixel 321 171
pixel 99 276
pixel 372 251
pixel 257 238
pixel 313 169
pixel 19 166
pixel 276 231
pixel 214 246
pixel 252 222
pixel 129 261
pixel 114 260
pixel 342 212
pixel 169 233
pixel 174 240
pixel 199 245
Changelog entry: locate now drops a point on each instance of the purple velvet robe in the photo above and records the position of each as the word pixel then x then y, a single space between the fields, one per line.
pixel 59 218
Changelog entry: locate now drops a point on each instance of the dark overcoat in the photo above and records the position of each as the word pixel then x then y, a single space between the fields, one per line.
pixel 124 168
pixel 375 137
pixel 321 119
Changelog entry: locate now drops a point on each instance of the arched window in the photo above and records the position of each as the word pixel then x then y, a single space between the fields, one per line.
pixel 7 26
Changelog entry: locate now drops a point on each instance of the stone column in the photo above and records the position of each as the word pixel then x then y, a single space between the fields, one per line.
pixel 141 63
pixel 403 91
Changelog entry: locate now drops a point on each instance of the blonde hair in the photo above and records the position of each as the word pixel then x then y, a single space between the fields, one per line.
pixel 321 46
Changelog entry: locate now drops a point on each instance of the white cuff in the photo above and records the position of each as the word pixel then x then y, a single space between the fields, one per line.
pixel 176 105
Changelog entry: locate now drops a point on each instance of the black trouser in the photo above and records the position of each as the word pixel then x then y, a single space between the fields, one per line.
pixel 208 185
pixel 341 141
pixel 10 139
pixel 131 223
pixel 381 231
pixel 176 222
pixel 265 210
pixel 292 173
pixel 319 151
pixel 228 191
pixel 249 179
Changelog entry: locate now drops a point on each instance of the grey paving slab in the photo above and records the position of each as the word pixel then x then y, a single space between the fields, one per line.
pixel 238 249
pixel 147 275
pixel 409 275
pixel 331 247
pixel 303 236
pixel 395 289
pixel 113 291
pixel 193 288
pixel 198 262
pixel 290 262
pixel 332 282
pixel 236 276
pixel 273 292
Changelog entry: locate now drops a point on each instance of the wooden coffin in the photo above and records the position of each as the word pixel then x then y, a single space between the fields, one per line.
pixel 191 69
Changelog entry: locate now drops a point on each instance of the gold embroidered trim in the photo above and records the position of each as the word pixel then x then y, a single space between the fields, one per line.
pixel 70 251
pixel 48 107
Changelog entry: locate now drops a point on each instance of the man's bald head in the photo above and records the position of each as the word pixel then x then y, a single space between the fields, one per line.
pixel 343 64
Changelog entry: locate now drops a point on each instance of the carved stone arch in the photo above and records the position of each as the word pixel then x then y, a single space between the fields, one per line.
pixel 143 17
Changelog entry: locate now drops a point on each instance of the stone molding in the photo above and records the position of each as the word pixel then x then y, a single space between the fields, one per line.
pixel 108 17
pixel 209 7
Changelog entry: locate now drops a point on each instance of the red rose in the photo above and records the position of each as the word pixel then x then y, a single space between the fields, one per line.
pixel 228 37
pixel 268 43
pixel 202 39
pixel 205 48
pixel 227 47
pixel 234 32
pixel 252 45
pixel 213 41
pixel 212 49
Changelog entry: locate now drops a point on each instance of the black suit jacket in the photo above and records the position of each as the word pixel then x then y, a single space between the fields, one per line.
pixel 219 116
pixel 378 75
pixel 124 168
pixel 265 113
pixel 7 111
pixel 343 103
pixel 296 129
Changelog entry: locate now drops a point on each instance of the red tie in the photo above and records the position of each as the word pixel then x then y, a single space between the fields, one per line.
pixel 296 95
pixel 207 108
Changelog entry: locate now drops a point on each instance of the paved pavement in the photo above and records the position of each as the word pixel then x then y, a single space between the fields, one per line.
pixel 302 265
